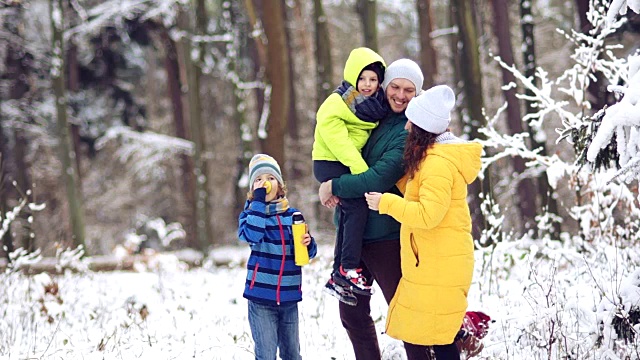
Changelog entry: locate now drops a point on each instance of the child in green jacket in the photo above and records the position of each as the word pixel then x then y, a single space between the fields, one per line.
pixel 344 121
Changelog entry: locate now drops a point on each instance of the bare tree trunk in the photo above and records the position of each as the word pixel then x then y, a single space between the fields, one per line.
pixel 529 58
pixel 14 166
pixel 27 241
pixel 292 117
pixel 324 86
pixel 235 14
pixel 258 50
pixel 201 204
pixel 174 86
pixel 582 6
pixel 73 85
pixel 366 10
pixel 472 78
pixel 526 187
pixel 278 75
pixel 7 239
pixel 428 59
pixel 69 170
pixel 597 89
pixel 454 40
pixel 324 64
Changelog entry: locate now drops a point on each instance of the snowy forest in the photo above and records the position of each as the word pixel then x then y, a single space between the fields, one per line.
pixel 127 126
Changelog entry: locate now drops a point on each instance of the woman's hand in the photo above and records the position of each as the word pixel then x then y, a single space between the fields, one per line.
pixel 373 200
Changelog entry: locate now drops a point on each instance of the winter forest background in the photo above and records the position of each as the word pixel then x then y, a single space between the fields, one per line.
pixel 127 125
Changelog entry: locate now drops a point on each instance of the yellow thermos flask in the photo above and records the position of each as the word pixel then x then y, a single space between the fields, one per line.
pixel 299 249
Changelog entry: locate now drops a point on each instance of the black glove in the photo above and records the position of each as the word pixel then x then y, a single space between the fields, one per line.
pixel 260 194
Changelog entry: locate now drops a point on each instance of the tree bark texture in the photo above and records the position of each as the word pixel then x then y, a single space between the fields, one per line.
pixel 597 89
pixel 13 165
pixel 292 115
pixel 428 58
pixel 469 57
pixel 525 185
pixel 545 191
pixel 242 125
pixel 69 170
pixel 7 239
pixel 366 10
pixel 73 85
pixel 278 75
pixel 201 195
pixel 174 87
pixel 323 54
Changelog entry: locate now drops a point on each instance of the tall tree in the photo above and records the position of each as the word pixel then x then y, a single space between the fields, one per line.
pixel 7 239
pixel 366 10
pixel 428 59
pixel 18 68
pixel 471 76
pixel 69 170
pixel 292 114
pixel 181 128
pixel 278 76
pixel 194 73
pixel 525 185
pixel 597 88
pixel 529 59
pixel 73 85
pixel 235 22
pixel 324 64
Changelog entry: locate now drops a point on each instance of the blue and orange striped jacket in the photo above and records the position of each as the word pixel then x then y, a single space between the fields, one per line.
pixel 272 275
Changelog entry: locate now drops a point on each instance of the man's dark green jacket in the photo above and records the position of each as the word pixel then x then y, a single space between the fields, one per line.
pixel 383 153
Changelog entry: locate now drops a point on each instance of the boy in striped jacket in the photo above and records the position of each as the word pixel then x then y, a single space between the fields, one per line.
pixel 273 283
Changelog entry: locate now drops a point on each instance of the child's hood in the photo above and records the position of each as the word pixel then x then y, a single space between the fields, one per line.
pixel 358 59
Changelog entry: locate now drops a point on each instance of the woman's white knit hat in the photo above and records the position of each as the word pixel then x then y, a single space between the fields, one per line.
pixel 431 110
pixel 404 69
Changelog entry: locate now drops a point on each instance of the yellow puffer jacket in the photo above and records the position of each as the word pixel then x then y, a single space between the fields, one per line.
pixel 339 134
pixel 436 246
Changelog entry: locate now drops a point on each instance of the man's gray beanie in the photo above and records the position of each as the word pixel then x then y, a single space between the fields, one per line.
pixel 404 69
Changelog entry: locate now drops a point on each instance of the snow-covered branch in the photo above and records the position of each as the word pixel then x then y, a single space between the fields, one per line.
pixel 144 151
pixel 623 119
pixel 11 215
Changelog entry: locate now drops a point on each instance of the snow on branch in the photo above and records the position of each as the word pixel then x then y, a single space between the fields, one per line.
pixel 623 119
pixel 620 7
pixel 144 150
pixel 114 11
pixel 11 215
pixel 541 98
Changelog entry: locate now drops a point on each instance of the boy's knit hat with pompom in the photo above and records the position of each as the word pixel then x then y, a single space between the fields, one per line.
pixel 264 164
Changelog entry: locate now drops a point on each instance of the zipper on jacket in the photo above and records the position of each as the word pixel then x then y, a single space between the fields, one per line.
pixel 414 248
pixel 284 255
pixel 255 273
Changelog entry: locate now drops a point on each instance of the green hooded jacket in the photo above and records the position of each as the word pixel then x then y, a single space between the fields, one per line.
pixel 383 154
pixel 339 134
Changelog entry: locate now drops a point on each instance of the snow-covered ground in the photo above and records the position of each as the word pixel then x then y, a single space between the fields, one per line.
pixel 531 288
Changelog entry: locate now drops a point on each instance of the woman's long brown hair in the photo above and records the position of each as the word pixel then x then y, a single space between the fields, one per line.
pixel 418 141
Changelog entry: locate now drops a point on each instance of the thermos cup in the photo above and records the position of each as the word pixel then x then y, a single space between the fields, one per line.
pixel 299 229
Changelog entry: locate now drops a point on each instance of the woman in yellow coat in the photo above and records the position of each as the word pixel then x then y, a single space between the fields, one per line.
pixel 435 237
